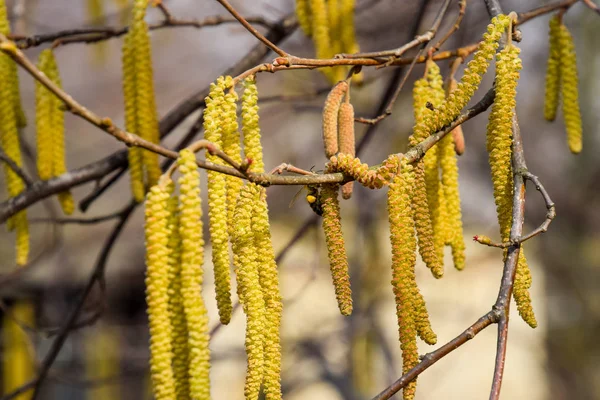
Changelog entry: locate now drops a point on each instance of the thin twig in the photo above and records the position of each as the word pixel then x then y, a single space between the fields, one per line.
pixel 550 206
pixel 462 7
pixel 251 29
pixel 77 221
pixel 536 12
pixel 592 6
pixel 16 169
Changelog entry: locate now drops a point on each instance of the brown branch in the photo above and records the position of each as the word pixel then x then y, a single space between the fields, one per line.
pixel 77 221
pixel 251 29
pixel 462 7
pixel 536 12
pixel 550 207
pixel 592 6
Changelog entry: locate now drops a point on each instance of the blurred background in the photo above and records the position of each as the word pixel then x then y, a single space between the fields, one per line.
pixel 326 356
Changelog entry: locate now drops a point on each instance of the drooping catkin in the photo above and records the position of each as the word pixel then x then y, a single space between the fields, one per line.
pixel 374 178
pixel 335 29
pixel 192 259
pixel 331 111
pixel 569 89
pixel 249 288
pixel 457 133
pixel 18 365
pixel 9 138
pixel 43 118
pixel 179 331
pixel 53 133
pixel 552 96
pixel 250 126
pixel 403 262
pixel 346 140
pixel 217 205
pixel 521 291
pixel 157 295
pixel 269 282
pixel 304 16
pixel 336 249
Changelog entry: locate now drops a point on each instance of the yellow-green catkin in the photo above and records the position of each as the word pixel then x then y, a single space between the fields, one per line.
pixel 250 126
pixel 192 258
pixel 249 288
pixel 552 97
pixel 403 262
pixel 304 16
pixel 140 105
pixel 336 249
pixel 348 33
pixel 346 140
pixel 330 116
pixel 179 330
pixel 569 89
pixel 102 358
pixel 217 205
pixel 18 361
pixel 457 133
pixel 269 282
pixel 157 286
pixel 9 138
pixel 321 35
pixel 499 146
pixel 372 178
pixel 50 126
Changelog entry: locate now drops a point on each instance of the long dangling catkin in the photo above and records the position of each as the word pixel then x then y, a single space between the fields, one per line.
pixel 217 206
pixel 338 259
pixel 43 119
pixel 499 142
pixel 403 262
pixel 346 140
pixel 269 282
pixel 249 288
pixel 57 130
pixel 250 126
pixel 179 331
pixel 552 97
pixel 322 37
pixel 157 296
pixel 9 139
pixel 331 111
pixel 457 133
pixel 10 76
pixel 570 91
pixel 136 167
pixel 304 16
pixel 18 365
pixel 192 259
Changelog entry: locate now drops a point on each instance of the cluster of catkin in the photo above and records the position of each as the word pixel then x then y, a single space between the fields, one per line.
pixel 12 118
pixel 50 129
pixel 331 25
pixel 561 81
pixel 238 215
pixel 140 105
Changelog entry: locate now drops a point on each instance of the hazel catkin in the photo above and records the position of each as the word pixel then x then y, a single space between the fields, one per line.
pixel 569 89
pixel 331 111
pixel 192 259
pixel 346 140
pixel 304 16
pixel 552 89
pixel 336 249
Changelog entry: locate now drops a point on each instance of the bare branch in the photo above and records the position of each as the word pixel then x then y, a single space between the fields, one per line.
pixel 16 169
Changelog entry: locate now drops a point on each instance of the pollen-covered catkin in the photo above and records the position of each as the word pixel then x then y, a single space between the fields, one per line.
pixel 331 111
pixel 336 249
pixel 157 296
pixel 179 331
pixel 217 205
pixel 249 288
pixel 521 291
pixel 569 90
pixel 10 77
pixel 250 126
pixel 457 133
pixel 372 178
pixel 552 97
pixel 43 118
pixel 192 258
pixel 269 282
pixel 403 262
pixel 304 16
pixel 346 140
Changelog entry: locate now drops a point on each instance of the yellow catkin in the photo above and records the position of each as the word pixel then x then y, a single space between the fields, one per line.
pixel 17 358
pixel 457 133
pixel 374 178
pixel 346 140
pixel 334 17
pixel 231 147
pixel 43 118
pixel 569 90
pixel 338 259
pixel 217 206
pixel 157 296
pixel 102 359
pixel 552 97
pixel 249 288
pixel 330 117
pixel 269 282
pixel 403 262
pixel 449 166
pixel 57 126
pixel 499 142
pixel 304 16
pixel 320 34
pixel 250 126
pixel 136 168
pixel 9 139
pixel 347 29
pixel 458 99
pixel 192 258
pixel 179 331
